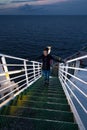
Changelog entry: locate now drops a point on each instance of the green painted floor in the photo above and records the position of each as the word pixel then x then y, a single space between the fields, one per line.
pixel 39 108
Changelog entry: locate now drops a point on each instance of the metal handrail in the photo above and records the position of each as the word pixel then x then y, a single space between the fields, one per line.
pixel 76 59
pixel 74 68
pixel 76 97
pixel 74 85
pixel 70 77
pixel 12 57
pixel 14 81
pixel 74 77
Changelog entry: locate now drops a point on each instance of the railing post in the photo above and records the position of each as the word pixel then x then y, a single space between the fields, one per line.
pixel 66 70
pixel 7 74
pixel 34 69
pixel 25 67
pixel 77 66
pixel 60 75
pixel 76 71
pixel 59 70
pixel 38 69
pixel 5 68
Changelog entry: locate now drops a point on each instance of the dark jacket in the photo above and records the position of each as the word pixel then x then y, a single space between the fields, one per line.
pixel 46 61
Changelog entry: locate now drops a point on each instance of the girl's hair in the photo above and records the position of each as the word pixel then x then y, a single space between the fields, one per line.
pixel 46 49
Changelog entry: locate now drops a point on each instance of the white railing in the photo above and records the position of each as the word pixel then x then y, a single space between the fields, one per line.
pixel 16 75
pixel 73 77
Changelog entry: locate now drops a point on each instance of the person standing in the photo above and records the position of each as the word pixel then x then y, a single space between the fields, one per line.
pixel 46 58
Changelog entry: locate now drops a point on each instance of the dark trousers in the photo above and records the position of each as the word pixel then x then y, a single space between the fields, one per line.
pixel 46 75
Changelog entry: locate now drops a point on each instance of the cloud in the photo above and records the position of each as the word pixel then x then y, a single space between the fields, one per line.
pixel 18 3
pixel 33 2
pixel 70 7
pixel 22 1
pixel 2 3
pixel 24 10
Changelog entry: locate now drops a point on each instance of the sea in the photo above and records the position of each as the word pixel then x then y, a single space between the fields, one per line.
pixel 26 36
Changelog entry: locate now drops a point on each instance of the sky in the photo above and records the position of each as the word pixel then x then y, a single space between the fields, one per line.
pixel 43 7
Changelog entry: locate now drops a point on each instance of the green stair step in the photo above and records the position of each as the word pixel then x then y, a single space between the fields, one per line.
pixel 47 88
pixel 39 108
pixel 47 91
pixel 62 107
pixel 38 113
pixel 53 92
pixel 58 100
pixel 27 102
pixel 43 94
pixel 19 123
pixel 26 97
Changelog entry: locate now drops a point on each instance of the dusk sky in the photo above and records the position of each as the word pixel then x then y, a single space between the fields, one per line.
pixel 64 7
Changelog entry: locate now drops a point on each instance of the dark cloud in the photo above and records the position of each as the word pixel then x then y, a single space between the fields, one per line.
pixel 2 3
pixel 22 1
pixel 74 7
pixel 24 10
pixel 16 1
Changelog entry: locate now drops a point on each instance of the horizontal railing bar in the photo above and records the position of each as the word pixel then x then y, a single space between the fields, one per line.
pixel 37 71
pixel 12 57
pixel 12 85
pixel 74 77
pixel 12 91
pixel 73 68
pixel 36 75
pixel 11 65
pixel 33 79
pixel 74 85
pixel 15 94
pixel 32 76
pixel 15 72
pixel 34 69
pixel 11 78
pixel 33 72
pixel 12 72
pixel 15 83
pixel 30 69
pixel 13 88
pixel 38 68
pixel 34 65
pixel 30 73
pixel 16 65
pixel 36 62
pixel 75 96
pixel 76 59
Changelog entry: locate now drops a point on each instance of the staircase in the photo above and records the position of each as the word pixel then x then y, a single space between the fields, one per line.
pixel 39 108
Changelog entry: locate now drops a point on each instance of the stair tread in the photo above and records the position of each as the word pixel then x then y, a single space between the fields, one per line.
pixel 15 122
pixel 40 113
pixel 43 105
pixel 39 108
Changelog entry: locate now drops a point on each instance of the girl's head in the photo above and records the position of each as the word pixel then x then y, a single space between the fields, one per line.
pixel 45 51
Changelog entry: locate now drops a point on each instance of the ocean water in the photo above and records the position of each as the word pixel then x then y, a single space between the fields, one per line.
pixel 26 36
